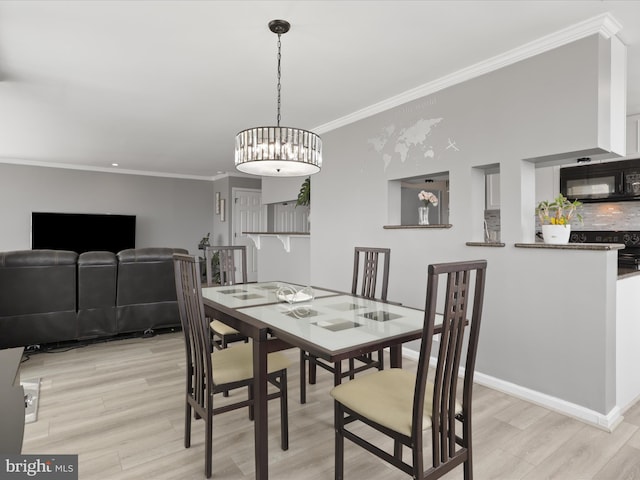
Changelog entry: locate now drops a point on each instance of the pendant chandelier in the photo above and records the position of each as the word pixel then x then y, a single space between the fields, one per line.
pixel 278 151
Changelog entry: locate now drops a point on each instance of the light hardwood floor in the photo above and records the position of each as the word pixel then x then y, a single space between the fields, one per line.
pixel 119 405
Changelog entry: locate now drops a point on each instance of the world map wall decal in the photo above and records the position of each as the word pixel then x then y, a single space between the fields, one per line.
pixel 413 140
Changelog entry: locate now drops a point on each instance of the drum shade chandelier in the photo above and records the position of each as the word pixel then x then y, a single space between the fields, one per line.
pixel 278 151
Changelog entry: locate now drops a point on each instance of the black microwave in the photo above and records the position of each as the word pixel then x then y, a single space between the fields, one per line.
pixel 603 182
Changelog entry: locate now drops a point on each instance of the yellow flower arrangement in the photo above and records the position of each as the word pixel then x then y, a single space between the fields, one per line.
pixel 558 212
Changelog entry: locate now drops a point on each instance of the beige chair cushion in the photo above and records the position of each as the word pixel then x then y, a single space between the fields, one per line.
pixel 386 397
pixel 236 364
pixel 221 328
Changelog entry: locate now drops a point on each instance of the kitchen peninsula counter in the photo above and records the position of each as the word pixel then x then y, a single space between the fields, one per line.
pixel 622 272
pixel 572 246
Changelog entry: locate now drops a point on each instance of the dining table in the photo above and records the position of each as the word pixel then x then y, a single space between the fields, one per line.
pixel 329 324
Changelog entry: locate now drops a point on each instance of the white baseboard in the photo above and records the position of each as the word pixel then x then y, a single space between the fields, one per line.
pixel 606 422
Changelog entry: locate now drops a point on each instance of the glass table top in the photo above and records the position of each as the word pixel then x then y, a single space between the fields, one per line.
pixel 331 321
pixel 250 294
pixel 340 321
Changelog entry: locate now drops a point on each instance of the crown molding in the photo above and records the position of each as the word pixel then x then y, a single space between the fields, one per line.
pixel 604 24
pixel 115 170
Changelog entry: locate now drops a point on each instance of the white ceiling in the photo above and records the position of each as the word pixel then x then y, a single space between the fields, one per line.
pixel 164 86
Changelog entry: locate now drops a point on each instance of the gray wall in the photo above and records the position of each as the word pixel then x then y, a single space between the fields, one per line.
pixel 274 263
pixel 277 190
pixel 169 212
pixel 548 314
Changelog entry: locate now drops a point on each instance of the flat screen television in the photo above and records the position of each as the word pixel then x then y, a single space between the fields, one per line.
pixel 82 232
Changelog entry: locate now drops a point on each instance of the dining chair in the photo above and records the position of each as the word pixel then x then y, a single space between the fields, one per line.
pixel 214 371
pixel 226 274
pixel 401 404
pixel 367 277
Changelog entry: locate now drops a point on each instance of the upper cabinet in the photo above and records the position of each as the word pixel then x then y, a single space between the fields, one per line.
pixel 547 183
pixel 633 135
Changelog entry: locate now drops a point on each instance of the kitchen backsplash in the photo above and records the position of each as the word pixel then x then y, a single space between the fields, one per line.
pixel 609 216
pixel 595 216
pixel 492 219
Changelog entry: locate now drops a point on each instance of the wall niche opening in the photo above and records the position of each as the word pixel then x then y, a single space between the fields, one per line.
pixel 492 225
pixel 288 217
pixel 435 186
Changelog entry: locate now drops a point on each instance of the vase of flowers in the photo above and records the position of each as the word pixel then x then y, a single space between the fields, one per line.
pixel 555 218
pixel 427 199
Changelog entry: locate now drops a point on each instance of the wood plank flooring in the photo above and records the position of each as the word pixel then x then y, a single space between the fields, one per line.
pixel 119 405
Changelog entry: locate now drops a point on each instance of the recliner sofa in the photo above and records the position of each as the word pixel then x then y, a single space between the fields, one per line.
pixel 53 296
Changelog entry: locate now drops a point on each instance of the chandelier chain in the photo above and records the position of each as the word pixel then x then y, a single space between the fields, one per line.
pixel 279 86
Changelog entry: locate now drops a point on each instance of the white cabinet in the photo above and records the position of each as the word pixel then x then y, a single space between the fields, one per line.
pixel 492 191
pixel 633 135
pixel 547 183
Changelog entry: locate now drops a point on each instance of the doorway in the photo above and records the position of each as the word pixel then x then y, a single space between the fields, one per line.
pixel 248 215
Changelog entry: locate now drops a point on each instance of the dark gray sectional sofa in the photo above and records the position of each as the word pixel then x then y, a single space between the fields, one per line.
pixel 53 296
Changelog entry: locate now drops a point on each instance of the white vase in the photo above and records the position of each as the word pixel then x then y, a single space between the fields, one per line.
pixel 556 234
pixel 423 215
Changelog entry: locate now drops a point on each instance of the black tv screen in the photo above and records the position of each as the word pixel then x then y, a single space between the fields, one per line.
pixel 82 232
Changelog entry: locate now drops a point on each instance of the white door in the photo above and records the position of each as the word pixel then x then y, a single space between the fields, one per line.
pixel 248 216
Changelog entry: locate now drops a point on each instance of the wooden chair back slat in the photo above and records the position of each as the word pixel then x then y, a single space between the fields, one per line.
pixel 227 263
pixel 457 300
pixel 367 276
pixel 194 326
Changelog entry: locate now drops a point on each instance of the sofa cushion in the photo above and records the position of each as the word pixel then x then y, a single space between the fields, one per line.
pixel 146 291
pixel 97 273
pixel 38 297
pixel 37 281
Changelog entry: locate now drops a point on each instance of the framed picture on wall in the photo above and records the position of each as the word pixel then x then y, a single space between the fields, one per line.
pixel 217 203
pixel 222 210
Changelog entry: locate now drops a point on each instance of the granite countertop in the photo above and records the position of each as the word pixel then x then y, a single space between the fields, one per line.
pixel 485 244
pixel 573 246
pixel 276 233
pixel 627 272
pixel 406 227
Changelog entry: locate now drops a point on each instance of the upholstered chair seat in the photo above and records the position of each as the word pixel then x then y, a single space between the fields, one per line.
pixel 386 397
pixel 232 365
pixel 222 329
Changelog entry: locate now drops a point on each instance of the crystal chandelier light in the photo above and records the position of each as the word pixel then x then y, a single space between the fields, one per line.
pixel 278 151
